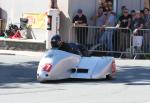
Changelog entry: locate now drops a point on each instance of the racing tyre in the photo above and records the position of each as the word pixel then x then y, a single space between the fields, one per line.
pixel 109 77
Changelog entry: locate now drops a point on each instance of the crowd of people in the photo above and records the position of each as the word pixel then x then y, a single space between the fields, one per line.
pixel 133 20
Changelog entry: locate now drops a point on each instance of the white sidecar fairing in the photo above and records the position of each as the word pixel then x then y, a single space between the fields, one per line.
pixel 57 64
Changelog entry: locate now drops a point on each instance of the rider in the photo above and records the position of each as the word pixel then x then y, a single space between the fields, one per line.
pixel 57 43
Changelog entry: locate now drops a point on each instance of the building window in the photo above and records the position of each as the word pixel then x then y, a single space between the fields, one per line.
pixel 107 4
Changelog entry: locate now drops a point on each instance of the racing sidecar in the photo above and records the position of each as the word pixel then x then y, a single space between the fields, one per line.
pixel 58 64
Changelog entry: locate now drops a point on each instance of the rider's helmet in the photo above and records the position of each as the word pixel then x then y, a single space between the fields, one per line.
pixel 56 41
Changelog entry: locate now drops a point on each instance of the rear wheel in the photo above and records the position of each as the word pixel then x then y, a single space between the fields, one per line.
pixel 108 77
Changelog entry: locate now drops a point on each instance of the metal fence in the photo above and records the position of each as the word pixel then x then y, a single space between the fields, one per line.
pixel 141 42
pixel 111 39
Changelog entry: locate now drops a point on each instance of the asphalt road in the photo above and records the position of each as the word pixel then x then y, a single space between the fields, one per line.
pixel 18 84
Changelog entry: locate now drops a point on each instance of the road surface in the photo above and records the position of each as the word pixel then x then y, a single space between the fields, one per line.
pixel 18 84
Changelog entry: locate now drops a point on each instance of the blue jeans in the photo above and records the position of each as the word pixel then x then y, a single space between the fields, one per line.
pixel 106 39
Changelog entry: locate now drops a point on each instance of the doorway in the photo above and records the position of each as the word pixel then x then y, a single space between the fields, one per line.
pixel 147 3
pixel 108 5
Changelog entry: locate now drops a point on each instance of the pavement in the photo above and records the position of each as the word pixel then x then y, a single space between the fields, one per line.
pixel 25 53
pixel 22 44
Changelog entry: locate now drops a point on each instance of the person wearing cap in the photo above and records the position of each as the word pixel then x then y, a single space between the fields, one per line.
pixel 80 23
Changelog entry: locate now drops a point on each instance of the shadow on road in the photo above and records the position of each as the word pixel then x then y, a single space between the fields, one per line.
pixel 18 73
pixel 70 81
pixel 133 75
pixel 26 73
pixel 128 75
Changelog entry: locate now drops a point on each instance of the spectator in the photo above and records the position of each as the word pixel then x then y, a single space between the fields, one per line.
pixel 142 14
pixel 106 38
pixel 110 19
pixel 124 23
pixel 100 17
pixel 100 20
pixel 121 13
pixel 133 14
pixel 80 21
pixel 147 18
pixel 147 26
pixel 138 24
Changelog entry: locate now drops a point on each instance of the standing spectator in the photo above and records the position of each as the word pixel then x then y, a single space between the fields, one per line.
pixel 142 14
pixel 106 38
pixel 100 20
pixel 147 18
pixel 121 13
pixel 124 23
pixel 100 17
pixel 80 21
pixel 138 24
pixel 147 26
pixel 133 14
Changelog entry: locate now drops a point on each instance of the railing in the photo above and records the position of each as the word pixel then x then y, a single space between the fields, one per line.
pixel 141 42
pixel 111 39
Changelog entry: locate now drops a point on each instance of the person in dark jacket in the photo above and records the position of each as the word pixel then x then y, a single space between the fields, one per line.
pixel 57 43
pixel 80 23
